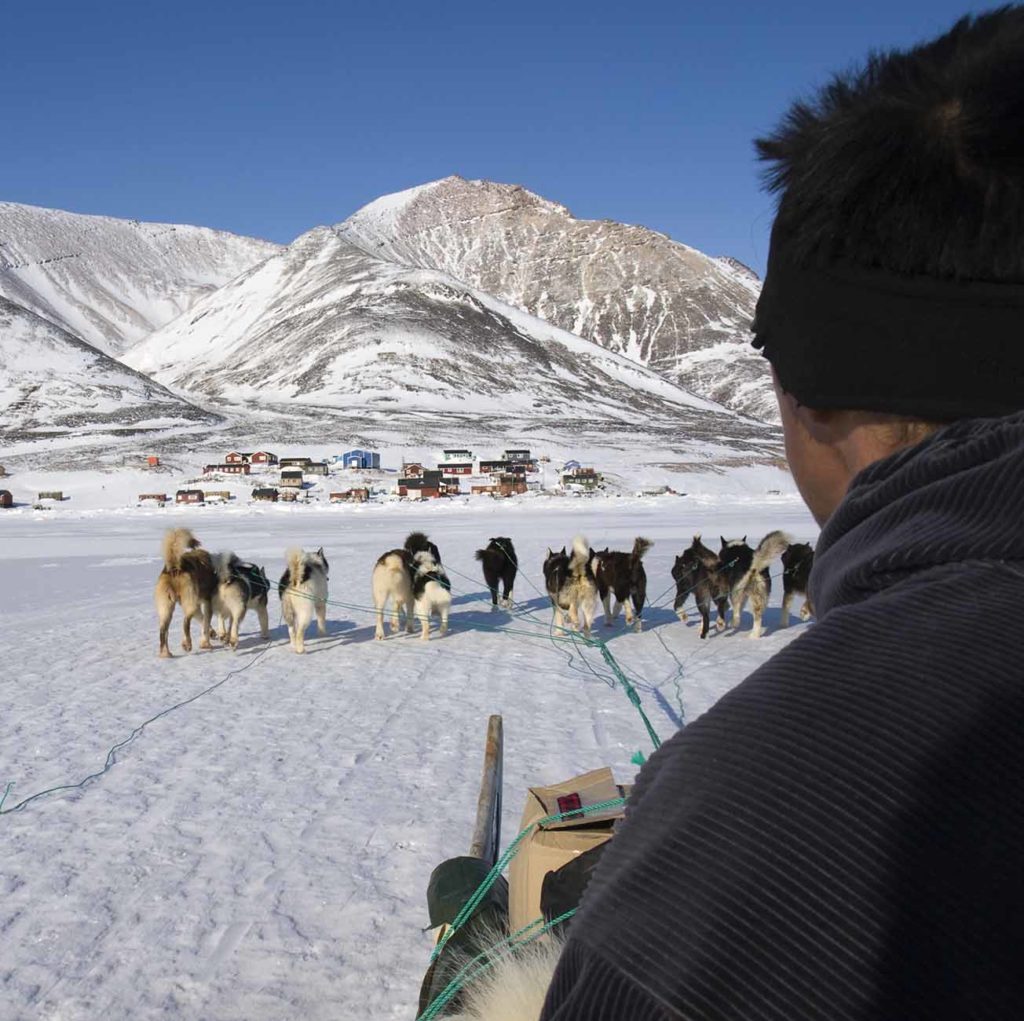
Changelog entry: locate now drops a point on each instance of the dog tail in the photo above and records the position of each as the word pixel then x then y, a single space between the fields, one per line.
pixel 770 548
pixel 640 547
pixel 416 542
pixel 227 565
pixel 177 542
pixel 580 548
pixel 481 553
pixel 295 558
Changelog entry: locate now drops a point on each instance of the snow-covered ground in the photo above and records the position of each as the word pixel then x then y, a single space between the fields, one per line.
pixel 263 851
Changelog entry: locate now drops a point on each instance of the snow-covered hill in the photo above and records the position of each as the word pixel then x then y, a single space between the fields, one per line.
pixel 631 290
pixel 55 386
pixel 113 282
pixel 324 324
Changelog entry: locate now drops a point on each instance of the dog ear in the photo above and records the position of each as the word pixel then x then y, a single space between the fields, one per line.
pixel 744 539
pixel 724 543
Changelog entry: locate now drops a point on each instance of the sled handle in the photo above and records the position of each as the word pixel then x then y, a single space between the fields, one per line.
pixel 487 831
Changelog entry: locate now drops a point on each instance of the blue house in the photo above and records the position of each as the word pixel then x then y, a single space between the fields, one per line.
pixel 359 459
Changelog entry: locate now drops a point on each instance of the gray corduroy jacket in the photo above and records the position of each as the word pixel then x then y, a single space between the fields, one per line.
pixel 842 836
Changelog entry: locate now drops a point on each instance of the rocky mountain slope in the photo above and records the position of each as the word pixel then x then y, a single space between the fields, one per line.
pixel 55 386
pixel 322 328
pixel 633 291
pixel 113 282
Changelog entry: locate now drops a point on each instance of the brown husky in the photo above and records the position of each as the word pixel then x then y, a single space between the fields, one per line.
pixel 188 578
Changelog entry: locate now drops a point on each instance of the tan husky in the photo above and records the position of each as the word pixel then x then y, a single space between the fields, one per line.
pixel 188 578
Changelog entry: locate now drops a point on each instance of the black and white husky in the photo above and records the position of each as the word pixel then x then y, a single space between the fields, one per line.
pixel 431 591
pixel 303 593
pixel 622 575
pixel 240 587
pixel 746 571
pixel 500 565
pixel 570 582
pixel 698 570
pixel 417 542
pixel 797 562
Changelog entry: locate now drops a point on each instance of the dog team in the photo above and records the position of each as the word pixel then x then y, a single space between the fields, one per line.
pixel 413 580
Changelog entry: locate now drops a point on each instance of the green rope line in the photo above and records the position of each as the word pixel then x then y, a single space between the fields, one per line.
pixel 112 754
pixel 491 957
pixel 502 863
pixel 631 693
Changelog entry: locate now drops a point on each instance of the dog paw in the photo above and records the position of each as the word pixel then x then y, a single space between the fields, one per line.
pixel 166 654
pixel 205 644
pixel 379 638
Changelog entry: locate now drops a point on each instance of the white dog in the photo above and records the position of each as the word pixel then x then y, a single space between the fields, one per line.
pixel 392 579
pixel 431 591
pixel 303 593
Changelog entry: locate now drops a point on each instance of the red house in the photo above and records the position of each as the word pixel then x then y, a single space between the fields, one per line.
pixel 263 457
pixel 189 496
pixel 231 468
pixel 427 487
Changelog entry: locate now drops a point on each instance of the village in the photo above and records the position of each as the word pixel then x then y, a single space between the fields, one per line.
pixel 357 476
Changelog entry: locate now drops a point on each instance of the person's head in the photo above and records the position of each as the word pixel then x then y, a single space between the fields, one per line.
pixel 894 298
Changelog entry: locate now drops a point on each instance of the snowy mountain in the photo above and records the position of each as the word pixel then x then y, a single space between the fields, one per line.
pixel 323 329
pixel 53 385
pixel 113 282
pixel 631 290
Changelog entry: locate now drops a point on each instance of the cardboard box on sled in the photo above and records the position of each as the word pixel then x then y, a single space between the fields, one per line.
pixel 549 847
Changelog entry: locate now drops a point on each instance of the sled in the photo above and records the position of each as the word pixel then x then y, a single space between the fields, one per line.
pixel 566 827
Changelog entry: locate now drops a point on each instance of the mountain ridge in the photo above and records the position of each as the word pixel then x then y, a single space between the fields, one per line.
pixel 112 281
pixel 630 289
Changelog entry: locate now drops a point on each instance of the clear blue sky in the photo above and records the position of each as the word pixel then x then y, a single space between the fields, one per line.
pixel 268 119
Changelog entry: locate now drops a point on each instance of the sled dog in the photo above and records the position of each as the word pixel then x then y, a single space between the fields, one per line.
pixel 797 562
pixel 188 578
pixel 303 594
pixel 392 579
pixel 570 583
pixel 698 570
pixel 417 542
pixel 515 988
pixel 500 565
pixel 240 587
pixel 431 592
pixel 746 570
pixel 622 575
